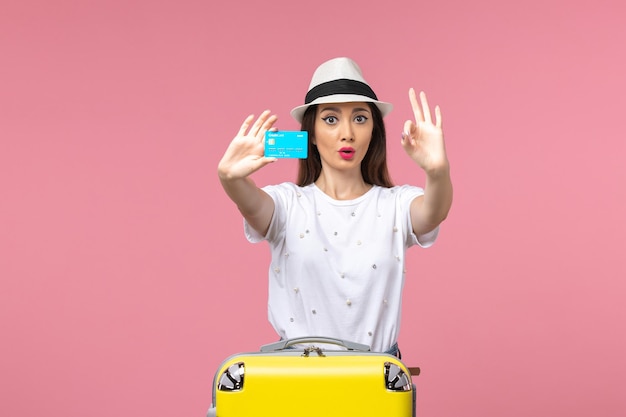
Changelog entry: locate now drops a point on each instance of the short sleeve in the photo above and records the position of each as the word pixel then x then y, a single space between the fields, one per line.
pixel 251 234
pixel 280 194
pixel 407 194
pixel 427 239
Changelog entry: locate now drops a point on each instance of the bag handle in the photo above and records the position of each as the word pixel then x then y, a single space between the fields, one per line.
pixel 284 344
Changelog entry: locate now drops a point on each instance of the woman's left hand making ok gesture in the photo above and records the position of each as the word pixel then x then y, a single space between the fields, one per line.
pixel 422 139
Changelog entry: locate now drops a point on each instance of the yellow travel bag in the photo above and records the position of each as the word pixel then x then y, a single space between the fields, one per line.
pixel 300 377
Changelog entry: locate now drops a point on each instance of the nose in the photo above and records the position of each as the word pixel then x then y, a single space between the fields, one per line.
pixel 346 131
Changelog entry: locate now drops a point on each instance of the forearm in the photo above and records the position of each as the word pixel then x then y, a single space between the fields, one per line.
pixel 432 209
pixel 437 196
pixel 256 206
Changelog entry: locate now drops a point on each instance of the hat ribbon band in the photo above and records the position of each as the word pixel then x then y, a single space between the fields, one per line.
pixel 340 86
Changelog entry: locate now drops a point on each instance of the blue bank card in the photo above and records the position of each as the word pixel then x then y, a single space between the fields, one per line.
pixel 286 144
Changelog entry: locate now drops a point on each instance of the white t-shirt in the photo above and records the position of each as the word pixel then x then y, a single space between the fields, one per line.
pixel 337 267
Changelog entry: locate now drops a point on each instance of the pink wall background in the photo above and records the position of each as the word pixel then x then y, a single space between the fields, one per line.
pixel 125 275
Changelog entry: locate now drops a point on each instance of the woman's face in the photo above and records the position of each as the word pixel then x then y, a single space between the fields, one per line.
pixel 343 132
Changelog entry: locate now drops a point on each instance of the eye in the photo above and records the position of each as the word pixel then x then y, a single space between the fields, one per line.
pixel 331 120
pixel 360 119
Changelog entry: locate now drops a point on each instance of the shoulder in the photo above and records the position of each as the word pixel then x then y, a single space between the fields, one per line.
pixel 397 192
pixel 288 191
pixel 283 188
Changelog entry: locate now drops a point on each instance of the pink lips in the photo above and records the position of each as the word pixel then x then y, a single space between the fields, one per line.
pixel 346 153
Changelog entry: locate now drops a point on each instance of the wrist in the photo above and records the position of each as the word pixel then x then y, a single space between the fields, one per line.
pixel 439 170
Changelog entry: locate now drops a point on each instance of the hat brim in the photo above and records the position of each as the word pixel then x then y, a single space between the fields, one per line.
pixel 298 112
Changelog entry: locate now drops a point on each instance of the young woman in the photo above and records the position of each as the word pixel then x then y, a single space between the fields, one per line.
pixel 338 236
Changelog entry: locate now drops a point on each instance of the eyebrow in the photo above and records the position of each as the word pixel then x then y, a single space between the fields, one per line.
pixel 338 110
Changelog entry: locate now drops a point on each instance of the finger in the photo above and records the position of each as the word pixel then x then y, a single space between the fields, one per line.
pixel 409 127
pixel 267 125
pixel 271 129
pixel 416 107
pixel 265 160
pixel 438 117
pixel 410 130
pixel 407 142
pixel 259 163
pixel 245 125
pixel 259 123
pixel 425 107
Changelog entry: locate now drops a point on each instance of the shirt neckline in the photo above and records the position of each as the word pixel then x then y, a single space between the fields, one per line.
pixel 344 202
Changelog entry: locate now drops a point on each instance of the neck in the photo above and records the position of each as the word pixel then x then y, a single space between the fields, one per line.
pixel 342 188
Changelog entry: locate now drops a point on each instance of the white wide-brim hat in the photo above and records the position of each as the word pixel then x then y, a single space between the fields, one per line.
pixel 339 81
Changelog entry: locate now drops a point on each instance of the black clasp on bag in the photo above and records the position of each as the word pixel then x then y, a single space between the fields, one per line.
pixel 307 351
